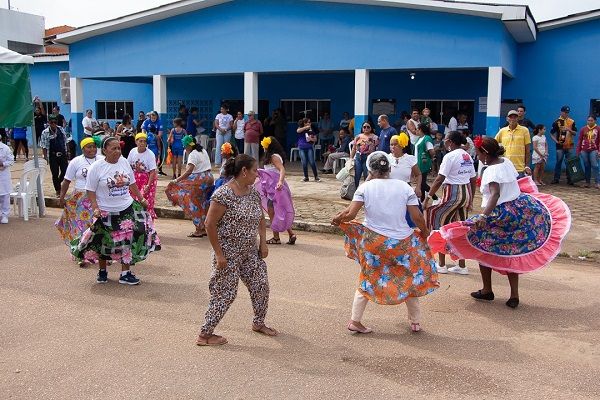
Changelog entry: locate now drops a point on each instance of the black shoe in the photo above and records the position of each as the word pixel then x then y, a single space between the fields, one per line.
pixel 323 170
pixel 554 182
pixel 157 247
pixel 102 276
pixel 483 296
pixel 129 279
pixel 326 171
pixel 305 180
pixel 161 173
pixel 513 303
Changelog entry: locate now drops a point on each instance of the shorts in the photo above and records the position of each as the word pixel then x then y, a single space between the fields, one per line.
pixel 177 151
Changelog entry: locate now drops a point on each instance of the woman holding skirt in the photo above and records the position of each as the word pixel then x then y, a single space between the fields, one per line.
pixel 77 215
pixel 275 192
pixel 396 263
pixel 143 164
pixel 520 230
pixel 123 231
pixel 192 190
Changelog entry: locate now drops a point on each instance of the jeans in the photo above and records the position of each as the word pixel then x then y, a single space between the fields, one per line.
pixel 58 167
pixel 308 156
pixel 360 168
pixel 560 156
pixel 221 138
pixel 590 164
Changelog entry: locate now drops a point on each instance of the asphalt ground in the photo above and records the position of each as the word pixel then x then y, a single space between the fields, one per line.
pixel 65 337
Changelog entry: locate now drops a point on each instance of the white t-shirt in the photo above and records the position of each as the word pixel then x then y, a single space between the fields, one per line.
pixel 238 124
pixel 200 160
pixel 402 167
pixel 385 206
pixel 142 162
pixel 271 166
pixel 541 146
pixel 414 138
pixel 457 167
pixel 452 125
pixel 223 121
pixel 78 169
pixel 505 174
pixel 89 123
pixel 111 183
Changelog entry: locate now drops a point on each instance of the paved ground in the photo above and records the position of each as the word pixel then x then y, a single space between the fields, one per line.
pixel 64 337
pixel 317 203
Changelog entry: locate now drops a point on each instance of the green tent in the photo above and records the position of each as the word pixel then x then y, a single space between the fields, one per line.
pixel 16 107
pixel 15 89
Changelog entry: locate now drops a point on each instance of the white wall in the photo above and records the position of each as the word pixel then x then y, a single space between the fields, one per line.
pixel 21 27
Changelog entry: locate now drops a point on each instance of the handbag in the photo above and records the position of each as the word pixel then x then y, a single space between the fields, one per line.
pixel 345 171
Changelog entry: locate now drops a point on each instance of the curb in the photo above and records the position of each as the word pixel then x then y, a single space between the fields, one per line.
pixel 168 213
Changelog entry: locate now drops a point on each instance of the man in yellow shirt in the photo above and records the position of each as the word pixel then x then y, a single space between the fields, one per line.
pixel 517 142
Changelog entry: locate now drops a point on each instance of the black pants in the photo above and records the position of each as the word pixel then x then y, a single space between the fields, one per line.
pixel 72 151
pixel 58 167
pixel 17 143
pixel 425 187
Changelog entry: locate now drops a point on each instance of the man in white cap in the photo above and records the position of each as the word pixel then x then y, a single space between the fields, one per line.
pixel 517 142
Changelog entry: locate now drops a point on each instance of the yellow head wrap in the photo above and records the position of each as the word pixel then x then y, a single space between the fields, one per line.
pixel 141 135
pixel 266 142
pixel 86 141
pixel 401 138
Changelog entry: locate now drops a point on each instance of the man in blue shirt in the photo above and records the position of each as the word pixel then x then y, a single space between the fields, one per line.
pixel 386 133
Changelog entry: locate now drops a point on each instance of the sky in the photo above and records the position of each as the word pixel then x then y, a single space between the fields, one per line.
pixel 84 12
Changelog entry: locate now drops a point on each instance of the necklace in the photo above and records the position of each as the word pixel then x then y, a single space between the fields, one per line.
pixel 240 186
pixel 88 160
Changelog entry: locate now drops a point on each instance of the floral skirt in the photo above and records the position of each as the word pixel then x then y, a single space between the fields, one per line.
pixel 76 216
pixel 126 237
pixel 141 179
pixel 193 196
pixel 391 270
pixel 519 236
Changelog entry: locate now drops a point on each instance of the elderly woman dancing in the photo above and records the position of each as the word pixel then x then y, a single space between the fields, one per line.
pixel 77 215
pixel 123 230
pixel 396 263
pixel 192 190
pixel 235 220
pixel 143 163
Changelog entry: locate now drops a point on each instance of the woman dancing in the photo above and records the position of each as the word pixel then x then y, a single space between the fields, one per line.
pixel 143 163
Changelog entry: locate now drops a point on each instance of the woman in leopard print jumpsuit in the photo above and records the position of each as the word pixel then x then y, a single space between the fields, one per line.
pixel 235 218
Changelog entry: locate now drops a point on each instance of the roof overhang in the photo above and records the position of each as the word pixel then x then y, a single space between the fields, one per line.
pixel 569 20
pixel 48 58
pixel 517 18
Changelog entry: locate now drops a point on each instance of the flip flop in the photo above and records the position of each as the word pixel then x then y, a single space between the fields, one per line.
pixel 194 235
pixel 218 341
pixel 262 332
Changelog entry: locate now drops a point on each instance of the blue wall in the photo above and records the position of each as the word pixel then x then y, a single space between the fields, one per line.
pixel 560 68
pixel 288 35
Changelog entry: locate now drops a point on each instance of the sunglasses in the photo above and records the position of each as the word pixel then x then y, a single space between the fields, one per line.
pixel 366 127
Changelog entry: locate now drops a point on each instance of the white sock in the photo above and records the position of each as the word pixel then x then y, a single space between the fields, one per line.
pixel 123 273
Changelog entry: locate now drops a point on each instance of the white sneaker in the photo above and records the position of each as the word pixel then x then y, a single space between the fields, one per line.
pixel 441 270
pixel 4 220
pixel 458 270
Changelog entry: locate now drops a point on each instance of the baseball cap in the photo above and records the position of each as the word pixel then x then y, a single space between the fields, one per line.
pixel 565 109
pixel 512 112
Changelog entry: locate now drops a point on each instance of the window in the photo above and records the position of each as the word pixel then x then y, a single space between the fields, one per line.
pixel 113 109
pixel 443 110
pixel 384 106
pixel 48 105
pixel 296 109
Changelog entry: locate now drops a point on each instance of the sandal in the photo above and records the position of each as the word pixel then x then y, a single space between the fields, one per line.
pixel 355 329
pixel 274 240
pixel 292 239
pixel 415 327
pixel 195 235
pixel 211 340
pixel 265 330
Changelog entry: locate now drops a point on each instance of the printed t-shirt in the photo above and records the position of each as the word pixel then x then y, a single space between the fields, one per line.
pixel 111 183
pixel 457 167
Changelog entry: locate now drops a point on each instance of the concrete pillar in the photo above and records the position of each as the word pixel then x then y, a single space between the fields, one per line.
pixel 361 98
pixel 494 100
pixel 250 92
pixel 159 102
pixel 77 111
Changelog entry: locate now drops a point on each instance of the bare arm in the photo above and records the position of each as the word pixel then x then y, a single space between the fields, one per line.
pixel 279 165
pixel 527 155
pixel 215 214
pixel 348 214
pixel 188 171
pixel 262 233
pixel 417 216
pixel 92 196
pixel 133 188
pixel 64 188
pixel 417 177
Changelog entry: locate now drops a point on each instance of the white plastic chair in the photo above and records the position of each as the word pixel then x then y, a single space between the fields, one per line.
pixel 29 165
pixel 344 159
pixel 294 153
pixel 25 199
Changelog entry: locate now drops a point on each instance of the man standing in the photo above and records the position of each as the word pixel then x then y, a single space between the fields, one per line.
pixel 411 127
pixel 386 133
pixel 563 132
pixel 253 129
pixel 517 142
pixel 326 131
pixel 54 147
pixel 526 122
pixel 90 125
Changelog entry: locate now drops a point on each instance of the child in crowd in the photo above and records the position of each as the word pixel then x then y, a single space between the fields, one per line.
pixel 540 153
pixel 175 136
pixel 438 147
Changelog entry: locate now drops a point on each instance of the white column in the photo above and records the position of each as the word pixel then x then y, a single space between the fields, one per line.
pixel 494 100
pixel 76 85
pixel 159 93
pixel 361 98
pixel 250 92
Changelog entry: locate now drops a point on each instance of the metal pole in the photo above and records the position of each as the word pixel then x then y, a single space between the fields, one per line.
pixel 36 163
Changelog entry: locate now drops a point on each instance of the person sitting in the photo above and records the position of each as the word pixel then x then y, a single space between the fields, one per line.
pixel 343 150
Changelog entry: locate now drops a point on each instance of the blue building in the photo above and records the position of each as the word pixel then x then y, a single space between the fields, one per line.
pixel 331 56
